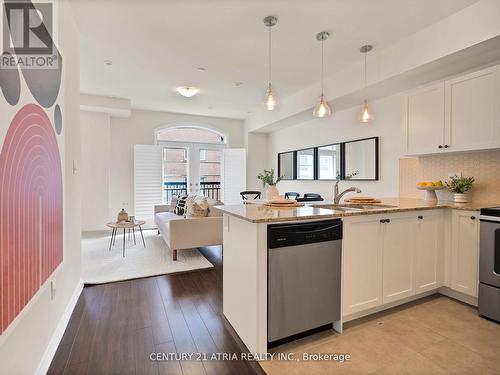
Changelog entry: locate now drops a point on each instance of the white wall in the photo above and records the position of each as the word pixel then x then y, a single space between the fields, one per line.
pixel 139 129
pixel 343 126
pixel 257 158
pixel 24 346
pixel 95 131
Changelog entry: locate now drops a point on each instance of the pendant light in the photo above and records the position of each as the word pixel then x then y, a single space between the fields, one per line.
pixel 322 109
pixel 365 115
pixel 270 99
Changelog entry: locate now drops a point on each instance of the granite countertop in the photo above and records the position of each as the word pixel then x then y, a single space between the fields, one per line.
pixel 259 213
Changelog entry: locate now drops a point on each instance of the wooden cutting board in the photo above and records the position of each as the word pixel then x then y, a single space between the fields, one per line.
pixel 291 205
pixel 367 200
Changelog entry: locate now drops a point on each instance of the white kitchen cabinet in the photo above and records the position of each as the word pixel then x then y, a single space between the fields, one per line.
pixel 398 256
pixel 464 251
pixel 389 257
pixel 458 114
pixel 362 263
pixel 472 102
pixel 423 124
pixel 429 251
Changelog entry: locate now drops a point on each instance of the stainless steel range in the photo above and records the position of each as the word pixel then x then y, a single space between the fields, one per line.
pixel 489 263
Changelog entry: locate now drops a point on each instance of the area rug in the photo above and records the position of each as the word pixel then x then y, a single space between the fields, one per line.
pixel 101 265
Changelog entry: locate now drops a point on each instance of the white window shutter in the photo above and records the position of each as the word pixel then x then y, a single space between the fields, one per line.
pixel 234 175
pixel 148 181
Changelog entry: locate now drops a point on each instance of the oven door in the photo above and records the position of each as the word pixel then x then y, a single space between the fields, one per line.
pixel 489 256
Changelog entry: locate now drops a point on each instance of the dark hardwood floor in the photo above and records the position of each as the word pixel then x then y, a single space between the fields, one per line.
pixel 116 326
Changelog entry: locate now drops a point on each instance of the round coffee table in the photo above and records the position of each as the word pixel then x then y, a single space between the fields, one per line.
pixel 130 225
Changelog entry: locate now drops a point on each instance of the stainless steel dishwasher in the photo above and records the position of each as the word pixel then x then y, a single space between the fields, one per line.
pixel 304 276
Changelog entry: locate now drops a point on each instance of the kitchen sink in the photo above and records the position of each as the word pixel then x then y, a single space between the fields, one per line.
pixel 354 206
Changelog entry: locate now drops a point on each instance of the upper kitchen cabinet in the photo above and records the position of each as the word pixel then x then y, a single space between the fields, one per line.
pixel 472 103
pixel 455 115
pixel 423 124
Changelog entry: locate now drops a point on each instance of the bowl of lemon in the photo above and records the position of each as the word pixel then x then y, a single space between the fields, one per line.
pixel 430 188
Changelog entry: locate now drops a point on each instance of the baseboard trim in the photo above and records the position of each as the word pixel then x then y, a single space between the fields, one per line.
pixel 445 291
pixel 373 310
pixel 448 292
pixel 56 338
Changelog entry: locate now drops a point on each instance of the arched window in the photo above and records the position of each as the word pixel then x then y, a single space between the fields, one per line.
pixel 192 156
pixel 190 134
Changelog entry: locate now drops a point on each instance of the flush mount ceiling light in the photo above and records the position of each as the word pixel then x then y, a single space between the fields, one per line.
pixel 365 115
pixel 187 91
pixel 322 109
pixel 270 99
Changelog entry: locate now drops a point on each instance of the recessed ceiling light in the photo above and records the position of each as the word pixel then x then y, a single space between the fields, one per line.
pixel 238 84
pixel 108 62
pixel 187 91
pixel 201 69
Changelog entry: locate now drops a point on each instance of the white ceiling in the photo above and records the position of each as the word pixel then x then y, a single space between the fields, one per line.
pixel 157 45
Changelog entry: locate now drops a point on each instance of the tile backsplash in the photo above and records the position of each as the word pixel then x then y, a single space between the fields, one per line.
pixel 483 165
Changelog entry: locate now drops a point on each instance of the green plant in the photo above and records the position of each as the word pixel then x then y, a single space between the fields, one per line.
pixel 459 184
pixel 267 178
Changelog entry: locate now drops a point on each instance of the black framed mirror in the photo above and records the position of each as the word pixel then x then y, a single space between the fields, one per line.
pixel 329 162
pixel 361 159
pixel 305 164
pixel 286 165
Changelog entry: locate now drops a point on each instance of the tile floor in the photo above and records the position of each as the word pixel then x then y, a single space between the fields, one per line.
pixel 435 335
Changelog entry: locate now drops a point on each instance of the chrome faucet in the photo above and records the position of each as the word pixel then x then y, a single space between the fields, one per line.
pixel 337 195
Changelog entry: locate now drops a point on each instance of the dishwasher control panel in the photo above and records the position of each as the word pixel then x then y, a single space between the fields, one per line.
pixel 280 235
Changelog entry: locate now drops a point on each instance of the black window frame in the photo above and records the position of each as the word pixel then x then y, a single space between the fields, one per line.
pixel 342 161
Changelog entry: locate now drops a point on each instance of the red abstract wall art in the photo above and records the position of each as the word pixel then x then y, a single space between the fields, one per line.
pixel 31 209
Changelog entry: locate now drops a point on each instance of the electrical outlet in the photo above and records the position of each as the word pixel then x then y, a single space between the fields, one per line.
pixel 53 288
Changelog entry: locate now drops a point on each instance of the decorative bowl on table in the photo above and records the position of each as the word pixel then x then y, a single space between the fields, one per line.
pixel 430 190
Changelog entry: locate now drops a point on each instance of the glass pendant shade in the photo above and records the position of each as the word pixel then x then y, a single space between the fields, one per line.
pixel 365 115
pixel 270 100
pixel 322 109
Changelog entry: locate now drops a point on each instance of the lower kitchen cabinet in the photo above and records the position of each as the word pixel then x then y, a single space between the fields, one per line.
pixel 465 251
pixel 398 268
pixel 389 257
pixel 362 263
pixel 429 254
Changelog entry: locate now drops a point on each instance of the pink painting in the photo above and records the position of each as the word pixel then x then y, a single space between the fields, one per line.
pixel 30 209
pixel 31 184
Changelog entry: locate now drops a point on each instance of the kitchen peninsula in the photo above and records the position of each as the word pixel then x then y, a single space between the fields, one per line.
pixel 392 253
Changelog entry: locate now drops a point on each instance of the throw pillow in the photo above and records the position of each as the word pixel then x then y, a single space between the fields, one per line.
pixel 196 207
pixel 211 210
pixel 173 203
pixel 181 204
